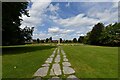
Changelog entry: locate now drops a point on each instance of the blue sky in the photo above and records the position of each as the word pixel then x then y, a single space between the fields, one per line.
pixel 68 19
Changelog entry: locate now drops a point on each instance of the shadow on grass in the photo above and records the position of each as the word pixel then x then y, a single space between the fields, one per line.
pixel 23 49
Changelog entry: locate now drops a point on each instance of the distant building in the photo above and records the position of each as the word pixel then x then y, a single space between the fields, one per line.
pixel 55 41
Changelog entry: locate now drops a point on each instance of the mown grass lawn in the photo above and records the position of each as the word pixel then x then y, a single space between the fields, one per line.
pixel 93 61
pixel 23 61
pixel 87 61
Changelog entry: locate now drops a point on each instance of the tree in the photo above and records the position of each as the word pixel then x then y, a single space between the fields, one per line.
pixel 42 41
pixel 66 41
pixel 47 40
pixel 70 41
pixel 11 20
pixel 34 40
pixel 80 39
pixel 75 40
pixel 95 34
pixel 27 33
pixel 111 35
pixel 100 35
pixel 50 39
pixel 60 40
pixel 38 40
pixel 86 38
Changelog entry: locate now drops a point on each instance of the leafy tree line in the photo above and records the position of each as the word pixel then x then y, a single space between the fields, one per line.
pixel 100 35
pixel 12 34
pixel 47 40
pixel 103 35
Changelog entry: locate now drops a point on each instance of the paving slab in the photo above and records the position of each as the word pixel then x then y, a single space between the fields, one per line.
pixel 55 78
pixel 56 69
pixel 64 56
pixel 68 70
pixel 49 60
pixel 54 51
pixel 46 65
pixel 58 51
pixel 57 59
pixel 52 55
pixel 65 59
pixel 63 52
pixel 58 56
pixel 41 71
pixel 66 64
pixel 72 77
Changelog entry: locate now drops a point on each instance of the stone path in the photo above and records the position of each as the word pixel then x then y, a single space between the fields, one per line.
pixel 56 66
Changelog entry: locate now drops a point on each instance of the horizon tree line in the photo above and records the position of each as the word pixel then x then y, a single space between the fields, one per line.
pixel 99 35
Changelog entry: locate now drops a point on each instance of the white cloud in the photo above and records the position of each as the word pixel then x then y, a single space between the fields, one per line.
pixel 77 21
pixel 70 27
pixel 115 4
pixel 106 16
pixel 82 34
pixel 68 4
pixel 64 31
pixel 53 17
pixel 82 23
pixel 53 30
pixel 36 13
pixel 53 7
pixel 41 34
pixel 59 31
pixel 79 34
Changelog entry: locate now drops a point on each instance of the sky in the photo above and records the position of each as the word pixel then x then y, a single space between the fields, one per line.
pixel 68 20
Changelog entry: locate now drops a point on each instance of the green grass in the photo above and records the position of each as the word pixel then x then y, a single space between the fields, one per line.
pixel 0 66
pixel 87 61
pixel 27 59
pixel 93 61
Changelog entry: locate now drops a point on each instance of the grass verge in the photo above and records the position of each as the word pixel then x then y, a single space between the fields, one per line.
pixel 23 61
pixel 93 61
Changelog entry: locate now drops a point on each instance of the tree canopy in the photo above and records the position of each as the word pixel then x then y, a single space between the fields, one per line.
pixel 95 34
pixel 101 35
pixel 74 40
pixel 12 34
